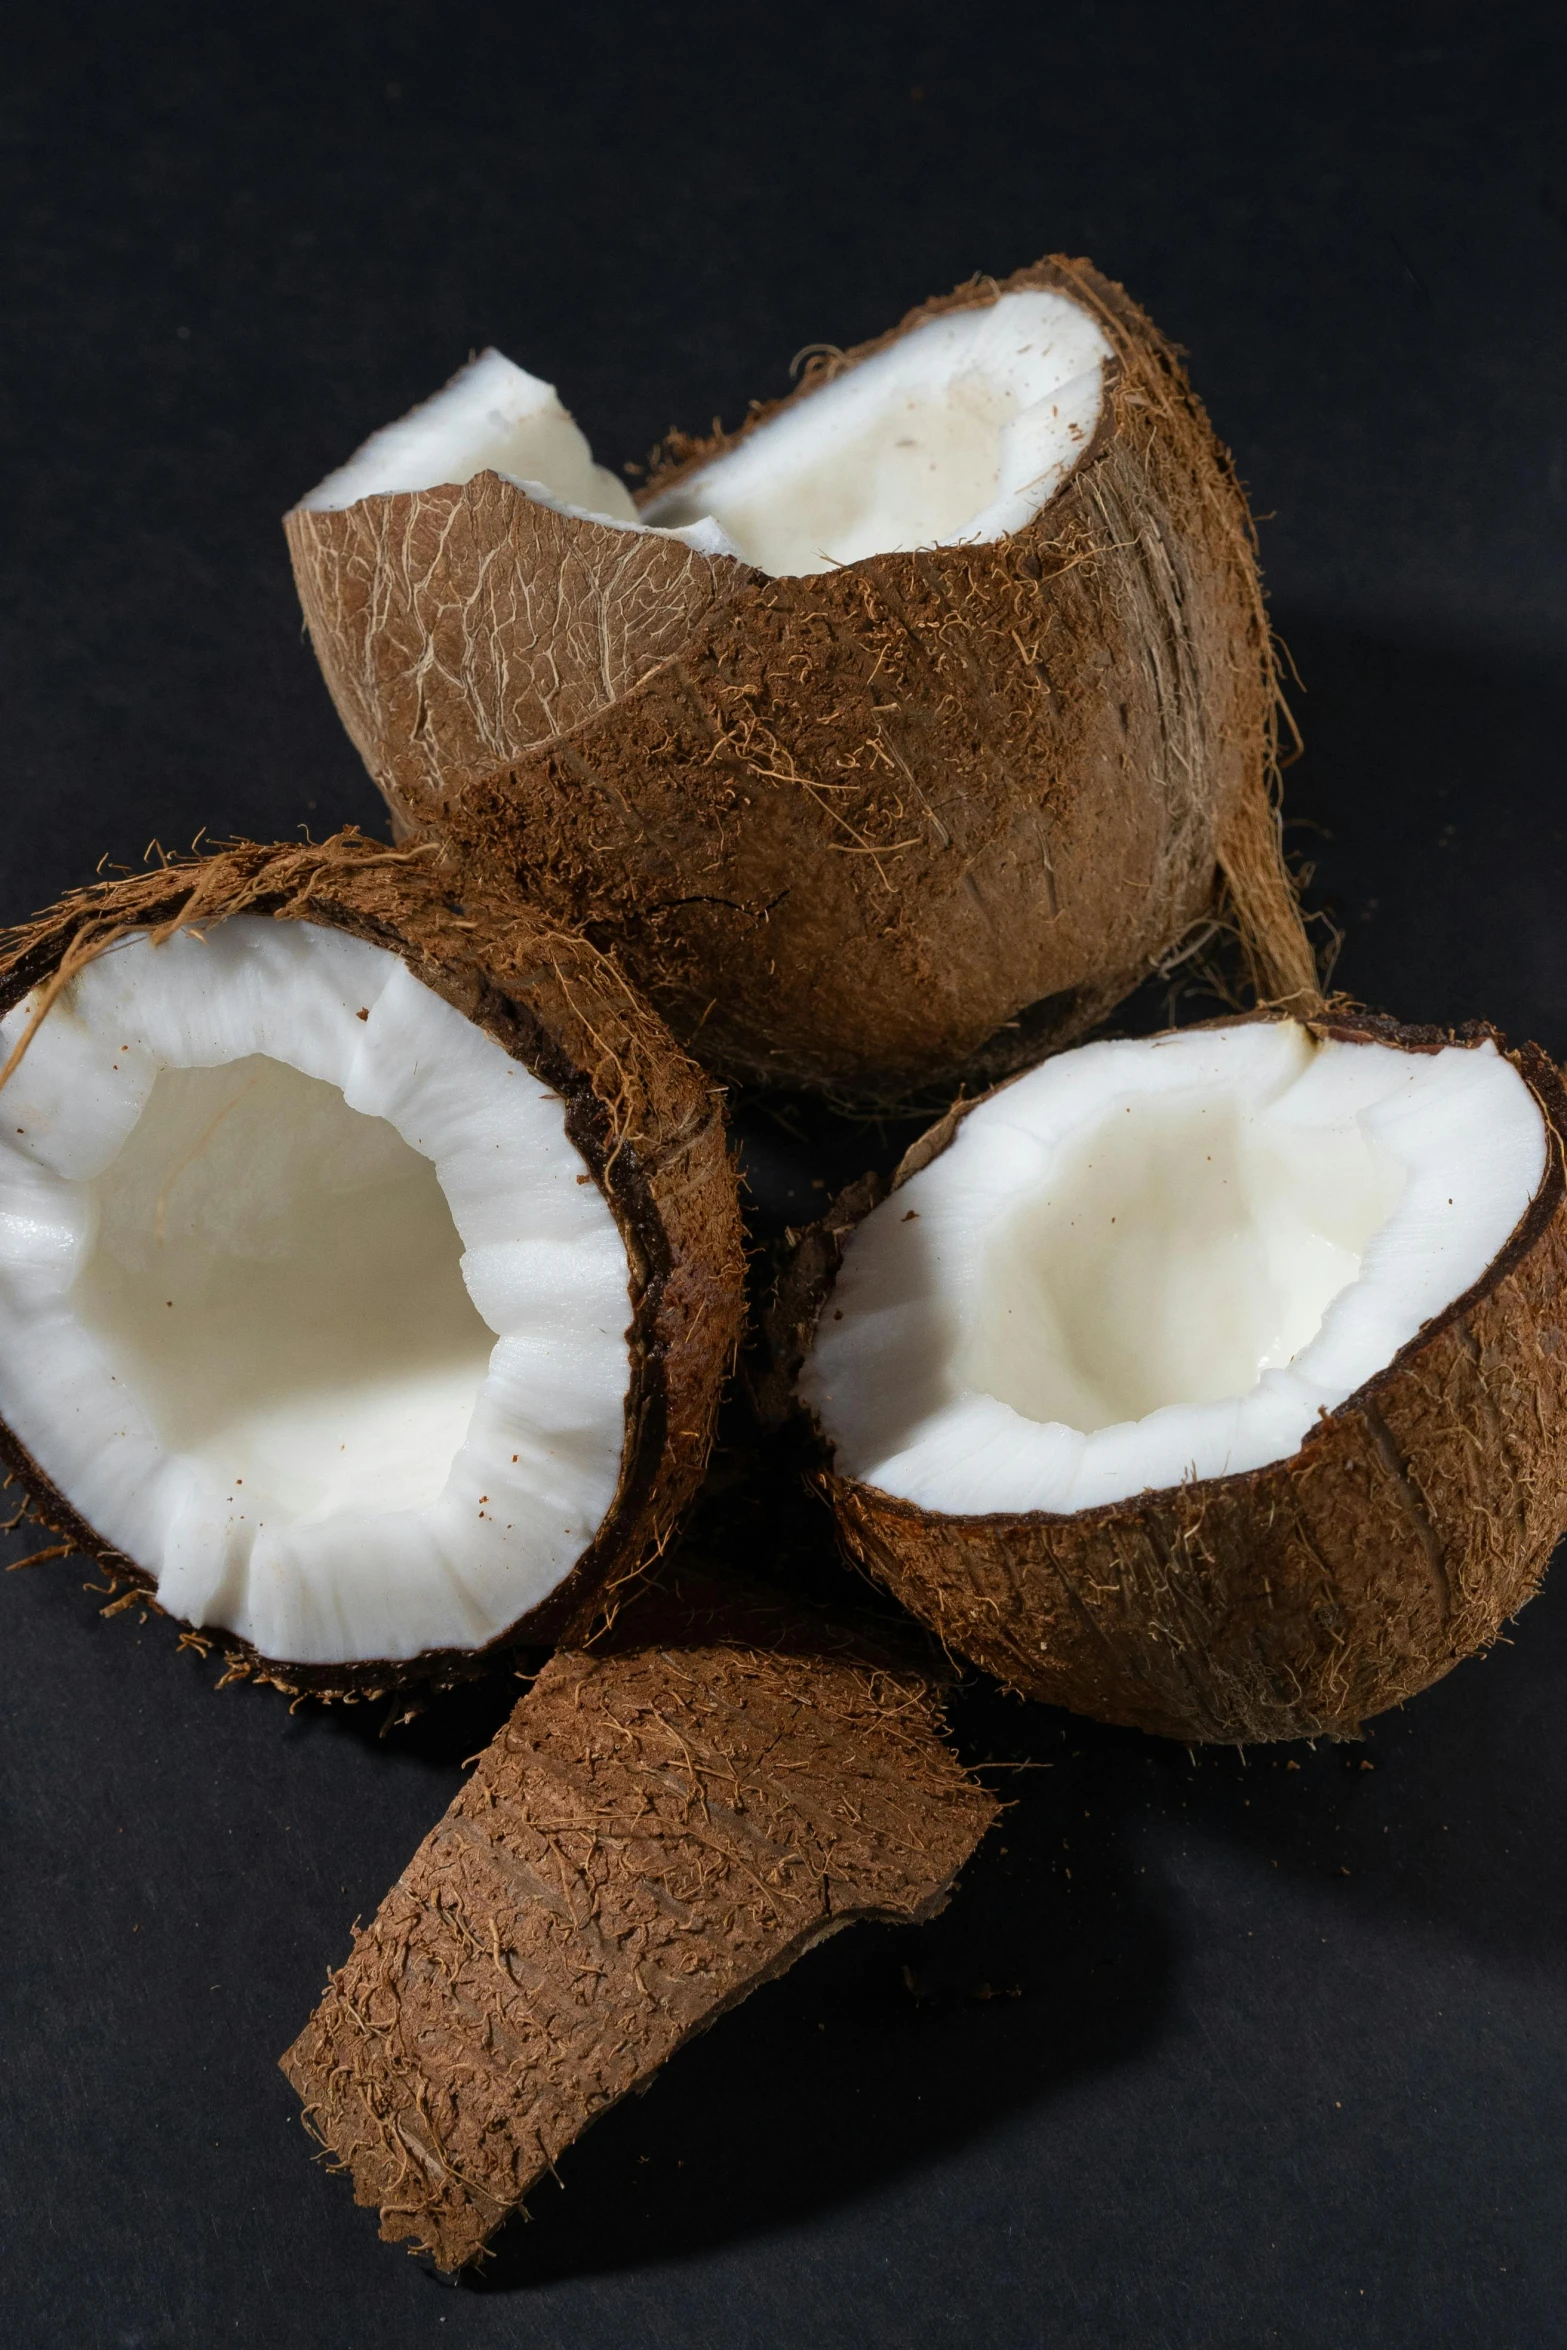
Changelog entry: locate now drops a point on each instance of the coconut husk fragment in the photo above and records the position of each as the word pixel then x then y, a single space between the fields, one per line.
pixel 647 1121
pixel 1298 1599
pixel 922 816
pixel 664 1824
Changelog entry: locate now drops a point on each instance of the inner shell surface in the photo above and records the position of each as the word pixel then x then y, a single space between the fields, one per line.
pixel 1152 1261
pixel 307 1302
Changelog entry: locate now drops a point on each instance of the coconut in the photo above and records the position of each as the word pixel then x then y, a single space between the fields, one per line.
pixel 1214 1383
pixel 369 1269
pixel 897 735
pixel 662 1825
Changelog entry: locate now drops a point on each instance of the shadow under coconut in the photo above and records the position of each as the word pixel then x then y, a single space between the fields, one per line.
pixel 882 2051
pixel 1449 1814
pixel 797 1154
pixel 443 1729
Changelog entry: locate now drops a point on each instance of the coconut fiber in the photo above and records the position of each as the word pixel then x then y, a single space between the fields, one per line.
pixel 664 1824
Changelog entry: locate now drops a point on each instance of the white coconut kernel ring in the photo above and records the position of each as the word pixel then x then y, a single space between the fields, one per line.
pixel 327 1306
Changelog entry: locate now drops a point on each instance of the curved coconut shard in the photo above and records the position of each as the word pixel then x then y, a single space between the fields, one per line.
pixel 369 1274
pixel 899 734
pixel 1217 1383
pixel 662 1826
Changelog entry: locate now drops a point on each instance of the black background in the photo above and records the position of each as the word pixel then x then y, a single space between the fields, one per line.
pixel 1208 2051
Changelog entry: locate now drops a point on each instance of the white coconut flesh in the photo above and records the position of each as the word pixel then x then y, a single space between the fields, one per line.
pixel 308 1304
pixel 1153 1261
pixel 957 433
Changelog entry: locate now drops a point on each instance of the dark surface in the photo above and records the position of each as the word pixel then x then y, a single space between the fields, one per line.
pixel 1274 2052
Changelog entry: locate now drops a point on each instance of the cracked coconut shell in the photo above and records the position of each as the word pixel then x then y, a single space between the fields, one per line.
pixel 920 815
pixel 646 1122
pixel 1297 1599
pixel 663 1825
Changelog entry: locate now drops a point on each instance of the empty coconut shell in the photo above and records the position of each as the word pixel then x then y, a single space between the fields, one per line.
pixel 662 1826
pixel 858 821
pixel 371 1269
pixel 1253 1465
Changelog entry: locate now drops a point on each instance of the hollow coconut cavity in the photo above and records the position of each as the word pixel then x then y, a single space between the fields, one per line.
pixel 366 1278
pixel 1214 1383
pixel 899 734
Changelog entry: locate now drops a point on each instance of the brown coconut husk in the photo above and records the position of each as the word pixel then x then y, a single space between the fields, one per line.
pixel 1292 1601
pixel 925 815
pixel 647 1122
pixel 662 1826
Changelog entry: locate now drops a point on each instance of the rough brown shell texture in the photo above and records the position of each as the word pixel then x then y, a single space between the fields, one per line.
pixel 647 1121
pixel 922 816
pixel 1296 1600
pixel 659 1829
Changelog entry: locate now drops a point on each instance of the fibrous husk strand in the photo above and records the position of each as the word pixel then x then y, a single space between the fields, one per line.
pixel 661 1827
pixel 1259 894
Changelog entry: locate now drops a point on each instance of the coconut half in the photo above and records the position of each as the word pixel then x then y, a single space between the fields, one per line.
pixel 1214 1383
pixel 368 1272
pixel 899 734
pixel 663 1825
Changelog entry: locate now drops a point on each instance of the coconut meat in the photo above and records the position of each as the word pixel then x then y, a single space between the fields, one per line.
pixel 491 418
pixel 1153 1261
pixel 308 1304
pixel 956 433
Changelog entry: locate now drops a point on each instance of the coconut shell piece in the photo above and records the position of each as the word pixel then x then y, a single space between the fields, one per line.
pixel 1297 1599
pixel 645 1119
pixel 922 815
pixel 663 1825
